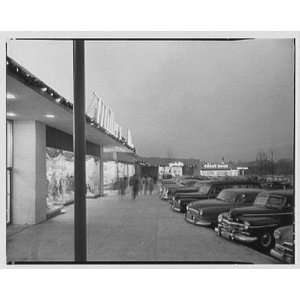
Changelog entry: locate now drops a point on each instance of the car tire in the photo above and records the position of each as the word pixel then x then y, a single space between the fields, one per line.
pixel 266 241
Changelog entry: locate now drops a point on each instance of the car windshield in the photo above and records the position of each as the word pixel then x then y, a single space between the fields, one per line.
pixel 203 188
pixel 227 196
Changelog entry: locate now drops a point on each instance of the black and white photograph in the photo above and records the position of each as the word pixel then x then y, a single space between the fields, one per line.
pixel 150 150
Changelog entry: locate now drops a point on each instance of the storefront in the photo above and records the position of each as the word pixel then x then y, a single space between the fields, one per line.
pixel 40 161
pixel 60 176
pixel 117 166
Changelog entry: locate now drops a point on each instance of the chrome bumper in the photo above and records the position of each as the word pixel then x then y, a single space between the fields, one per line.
pixel 235 236
pixel 197 222
pixel 284 257
pixel 176 209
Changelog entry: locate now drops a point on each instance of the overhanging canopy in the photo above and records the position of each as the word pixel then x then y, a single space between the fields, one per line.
pixel 28 100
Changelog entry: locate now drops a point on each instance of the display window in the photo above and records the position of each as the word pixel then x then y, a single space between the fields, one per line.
pixel 113 171
pixel 110 174
pixel 93 175
pixel 60 176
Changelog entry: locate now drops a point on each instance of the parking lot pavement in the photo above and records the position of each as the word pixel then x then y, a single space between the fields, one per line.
pixel 122 229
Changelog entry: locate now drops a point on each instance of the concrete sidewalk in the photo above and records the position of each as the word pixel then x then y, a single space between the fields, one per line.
pixel 122 229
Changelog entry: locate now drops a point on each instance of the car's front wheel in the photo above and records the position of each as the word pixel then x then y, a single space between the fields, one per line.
pixel 266 241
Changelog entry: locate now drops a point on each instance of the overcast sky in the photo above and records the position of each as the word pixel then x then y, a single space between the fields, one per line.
pixel 189 99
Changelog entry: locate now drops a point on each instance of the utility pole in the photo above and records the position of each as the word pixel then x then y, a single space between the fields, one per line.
pixel 79 146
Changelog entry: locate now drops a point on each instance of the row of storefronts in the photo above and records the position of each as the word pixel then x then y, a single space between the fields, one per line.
pixel 40 158
pixel 59 168
pixel 103 169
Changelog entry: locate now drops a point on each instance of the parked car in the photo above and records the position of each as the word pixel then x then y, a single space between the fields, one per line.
pixel 170 190
pixel 207 189
pixel 256 224
pixel 168 182
pixel 284 249
pixel 206 212
pixel 276 185
pixel 179 182
pixel 167 176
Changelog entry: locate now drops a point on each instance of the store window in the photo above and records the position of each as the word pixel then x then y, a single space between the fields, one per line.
pixel 60 176
pixel 93 175
pixel 113 171
pixel 110 174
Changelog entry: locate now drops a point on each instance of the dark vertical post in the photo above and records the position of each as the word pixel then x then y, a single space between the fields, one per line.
pixel 79 151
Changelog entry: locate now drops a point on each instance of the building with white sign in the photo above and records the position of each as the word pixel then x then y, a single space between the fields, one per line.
pixel 221 170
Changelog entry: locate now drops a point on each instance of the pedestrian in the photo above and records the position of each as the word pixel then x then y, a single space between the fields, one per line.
pixel 145 185
pixel 125 181
pixel 150 184
pixel 122 186
pixel 141 185
pixel 60 189
pixel 135 186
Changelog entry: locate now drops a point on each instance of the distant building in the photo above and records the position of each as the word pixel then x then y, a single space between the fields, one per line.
pixel 221 169
pixel 157 166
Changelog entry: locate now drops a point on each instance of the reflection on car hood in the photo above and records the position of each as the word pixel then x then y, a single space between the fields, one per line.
pixel 252 211
pixel 186 190
pixel 170 185
pixel 174 188
pixel 195 195
pixel 182 188
pixel 209 203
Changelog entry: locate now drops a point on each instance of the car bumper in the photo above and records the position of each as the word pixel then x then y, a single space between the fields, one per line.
pixel 282 256
pixel 197 221
pixel 235 236
pixel 177 209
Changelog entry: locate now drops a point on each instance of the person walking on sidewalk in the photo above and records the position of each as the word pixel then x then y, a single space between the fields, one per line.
pixel 141 185
pixel 150 184
pixel 146 185
pixel 135 186
pixel 122 186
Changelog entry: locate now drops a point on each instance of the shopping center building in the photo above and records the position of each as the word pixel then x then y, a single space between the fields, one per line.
pixel 40 159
